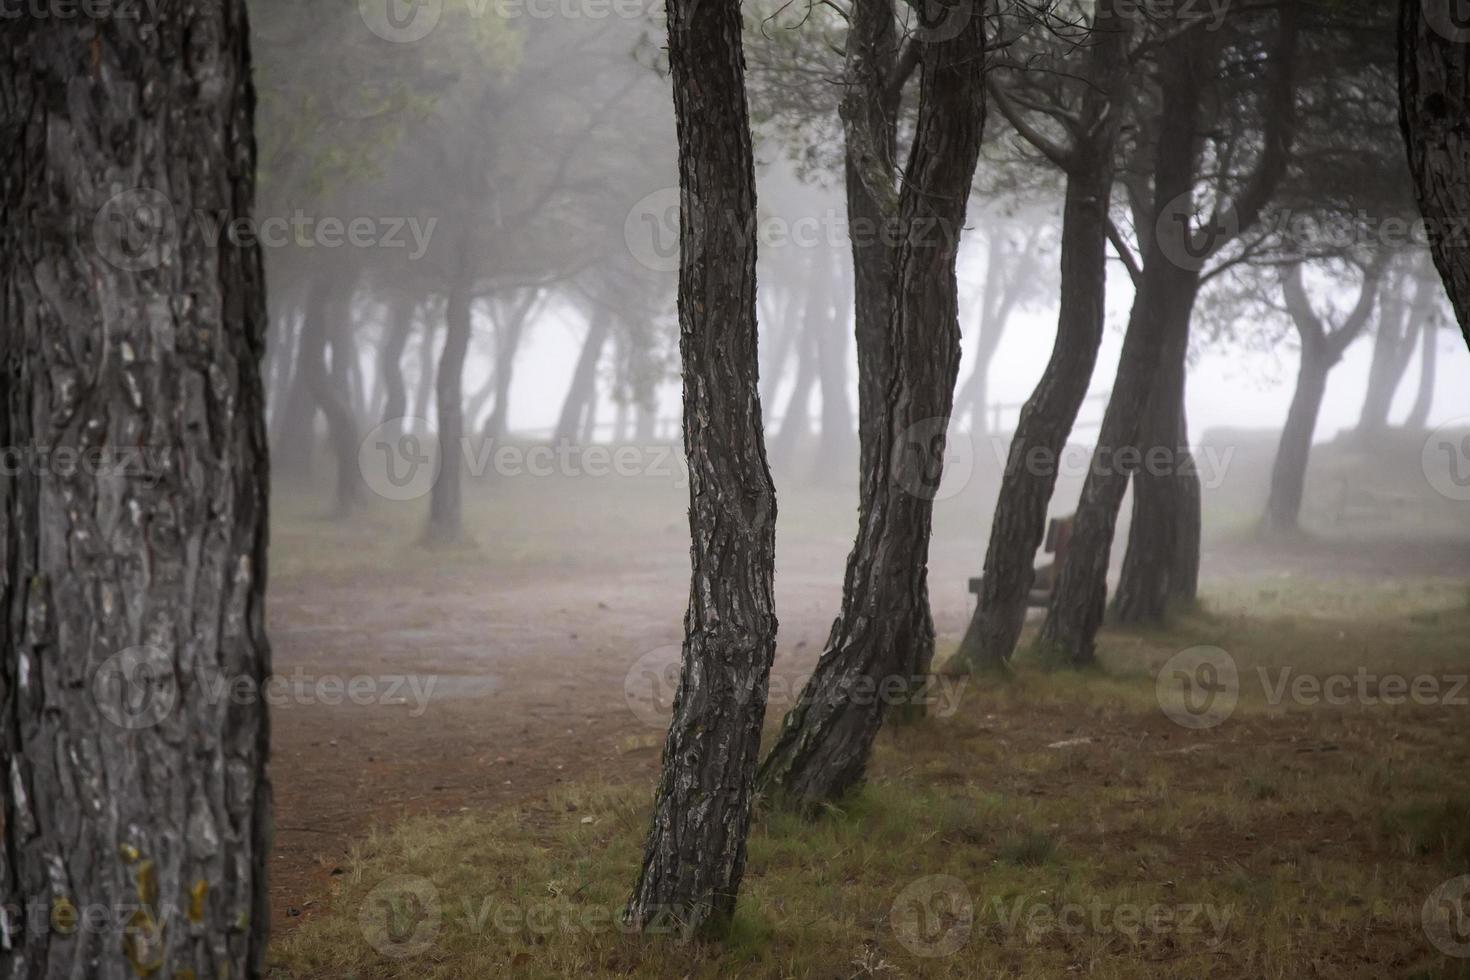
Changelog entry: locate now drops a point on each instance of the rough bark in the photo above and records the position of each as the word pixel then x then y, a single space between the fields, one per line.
pixel 1047 418
pixel 695 853
pixel 446 500
pixel 132 581
pixel 1434 101
pixel 574 407
pixel 869 111
pixel 884 633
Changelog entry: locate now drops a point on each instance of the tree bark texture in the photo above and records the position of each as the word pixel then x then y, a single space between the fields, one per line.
pixel 695 853
pixel 1434 103
pixel 131 583
pixel 884 632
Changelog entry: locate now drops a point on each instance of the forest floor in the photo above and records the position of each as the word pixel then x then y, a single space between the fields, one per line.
pixel 511 695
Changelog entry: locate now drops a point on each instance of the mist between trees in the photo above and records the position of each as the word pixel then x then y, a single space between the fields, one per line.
pixel 1035 262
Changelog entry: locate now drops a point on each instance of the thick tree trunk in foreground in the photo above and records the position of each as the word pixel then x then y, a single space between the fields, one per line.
pixel 446 500
pixel 130 787
pixel 1434 100
pixel 1047 417
pixel 884 639
pixel 695 854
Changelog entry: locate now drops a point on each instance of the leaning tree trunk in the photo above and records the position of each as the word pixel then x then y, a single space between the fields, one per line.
pixel 1046 419
pixel 1080 596
pixel 1289 472
pixel 1418 419
pixel 1434 101
pixel 1160 567
pixel 132 587
pixel 1393 345
pixel 446 500
pixel 885 632
pixel 583 388
pixel 695 853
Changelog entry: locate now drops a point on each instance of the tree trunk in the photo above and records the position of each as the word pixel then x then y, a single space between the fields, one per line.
pixel 446 501
pixel 836 446
pixel 583 389
pixel 127 594
pixel 321 304
pixel 1161 564
pixel 294 444
pixel 510 328
pixel 1080 595
pixel 1392 345
pixel 695 854
pixel 1048 416
pixel 1418 419
pixel 796 421
pixel 883 640
pixel 869 111
pixel 1434 99
pixel 1289 473
pixel 390 358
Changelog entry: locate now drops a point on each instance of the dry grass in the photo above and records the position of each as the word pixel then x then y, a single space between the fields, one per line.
pixel 1056 825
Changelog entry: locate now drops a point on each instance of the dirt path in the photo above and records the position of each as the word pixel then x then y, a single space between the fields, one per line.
pixel 481 688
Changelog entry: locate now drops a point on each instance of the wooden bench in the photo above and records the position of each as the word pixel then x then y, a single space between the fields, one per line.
pixel 1043 581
